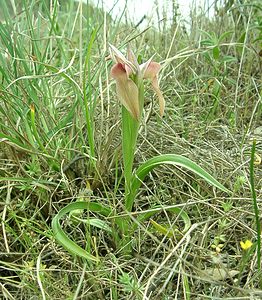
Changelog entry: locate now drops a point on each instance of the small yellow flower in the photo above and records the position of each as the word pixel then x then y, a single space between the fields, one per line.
pixel 246 245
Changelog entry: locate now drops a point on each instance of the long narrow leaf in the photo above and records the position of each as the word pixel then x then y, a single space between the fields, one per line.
pixel 176 210
pixel 98 223
pixel 63 239
pixel 170 159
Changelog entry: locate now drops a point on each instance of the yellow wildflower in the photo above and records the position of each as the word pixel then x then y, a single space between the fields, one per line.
pixel 246 245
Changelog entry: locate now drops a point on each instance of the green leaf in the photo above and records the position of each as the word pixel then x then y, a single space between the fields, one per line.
pixel 211 36
pixel 208 43
pixel 229 58
pixel 216 53
pixel 63 239
pixel 96 223
pixel 157 209
pixel 165 230
pixel 224 36
pixel 170 159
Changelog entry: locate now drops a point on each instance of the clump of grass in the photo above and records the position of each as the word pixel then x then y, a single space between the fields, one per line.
pixel 59 133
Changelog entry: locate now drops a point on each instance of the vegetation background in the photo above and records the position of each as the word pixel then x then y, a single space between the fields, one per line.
pixel 58 110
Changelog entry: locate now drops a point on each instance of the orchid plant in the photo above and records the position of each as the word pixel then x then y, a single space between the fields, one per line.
pixel 129 77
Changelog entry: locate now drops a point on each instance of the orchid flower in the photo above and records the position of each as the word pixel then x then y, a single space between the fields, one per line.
pixel 124 71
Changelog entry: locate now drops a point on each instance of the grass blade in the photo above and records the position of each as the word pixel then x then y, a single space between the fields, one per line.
pixel 256 209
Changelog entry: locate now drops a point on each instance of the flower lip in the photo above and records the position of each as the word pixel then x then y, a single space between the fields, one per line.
pixel 143 67
pixel 118 70
pixel 127 90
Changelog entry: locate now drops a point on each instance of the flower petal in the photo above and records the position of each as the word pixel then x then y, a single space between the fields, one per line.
pixel 150 71
pixel 246 245
pixel 160 96
pixel 126 89
pixel 120 58
pixel 143 67
pixel 132 58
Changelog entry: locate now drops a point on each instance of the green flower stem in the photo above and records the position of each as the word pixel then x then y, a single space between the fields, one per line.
pixel 129 131
pixel 130 128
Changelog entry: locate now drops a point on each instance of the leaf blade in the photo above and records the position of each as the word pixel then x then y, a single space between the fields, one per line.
pixel 63 239
pixel 170 159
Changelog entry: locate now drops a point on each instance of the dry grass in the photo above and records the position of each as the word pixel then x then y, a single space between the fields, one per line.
pixel 213 113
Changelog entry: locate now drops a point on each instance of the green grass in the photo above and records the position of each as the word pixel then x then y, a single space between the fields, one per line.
pixel 60 142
